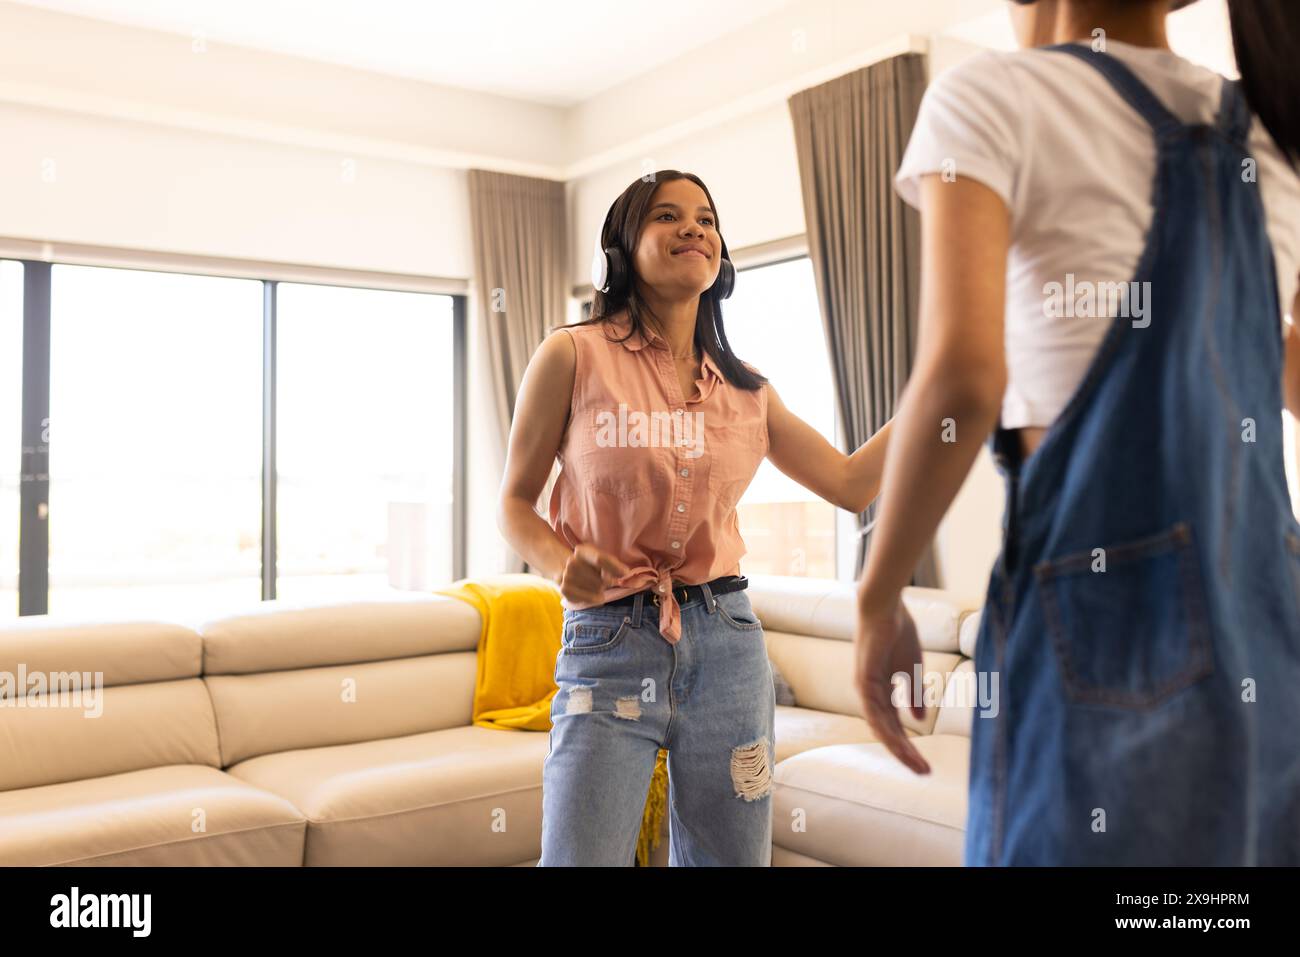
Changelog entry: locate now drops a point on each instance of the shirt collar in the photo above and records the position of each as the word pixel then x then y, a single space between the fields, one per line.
pixel 652 338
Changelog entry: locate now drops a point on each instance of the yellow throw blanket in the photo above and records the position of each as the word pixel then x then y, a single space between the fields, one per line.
pixel 517 648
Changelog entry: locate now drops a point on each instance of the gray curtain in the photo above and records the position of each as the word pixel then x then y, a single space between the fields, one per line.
pixel 864 243
pixel 518 232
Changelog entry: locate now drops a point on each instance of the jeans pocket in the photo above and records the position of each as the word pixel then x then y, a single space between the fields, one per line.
pixel 1128 621
pixel 589 635
pixel 736 611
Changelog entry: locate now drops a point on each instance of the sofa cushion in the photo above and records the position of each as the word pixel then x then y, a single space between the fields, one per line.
pixel 963 699
pixel 855 804
pixel 820 672
pixel 130 728
pixel 280 635
pixel 802 729
pixel 461 796
pixel 969 632
pixel 783 858
pixel 123 652
pixel 186 815
pixel 81 699
pixel 319 707
pixel 827 608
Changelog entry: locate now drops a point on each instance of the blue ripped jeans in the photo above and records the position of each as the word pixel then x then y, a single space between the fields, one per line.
pixel 625 692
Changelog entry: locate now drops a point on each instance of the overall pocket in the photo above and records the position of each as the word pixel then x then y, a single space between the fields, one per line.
pixel 736 611
pixel 590 634
pixel 1134 633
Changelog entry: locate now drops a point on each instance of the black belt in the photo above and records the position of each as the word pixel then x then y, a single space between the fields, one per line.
pixel 685 593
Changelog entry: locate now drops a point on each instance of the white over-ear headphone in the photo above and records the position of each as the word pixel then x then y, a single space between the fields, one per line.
pixel 599 266
pixel 608 264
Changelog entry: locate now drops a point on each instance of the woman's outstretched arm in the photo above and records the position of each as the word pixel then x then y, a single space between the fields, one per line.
pixel 850 482
pixel 948 408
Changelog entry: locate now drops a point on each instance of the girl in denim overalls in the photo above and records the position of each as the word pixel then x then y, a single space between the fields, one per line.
pixel 1142 619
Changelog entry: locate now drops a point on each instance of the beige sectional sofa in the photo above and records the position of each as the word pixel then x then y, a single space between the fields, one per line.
pixel 340 735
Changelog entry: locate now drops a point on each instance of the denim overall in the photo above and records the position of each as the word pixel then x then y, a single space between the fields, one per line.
pixel 1143 617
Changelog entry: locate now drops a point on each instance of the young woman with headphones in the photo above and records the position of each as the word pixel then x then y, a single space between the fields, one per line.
pixel 659 427
pixel 1142 622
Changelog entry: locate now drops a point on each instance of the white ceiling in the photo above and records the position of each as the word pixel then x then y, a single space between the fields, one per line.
pixel 554 53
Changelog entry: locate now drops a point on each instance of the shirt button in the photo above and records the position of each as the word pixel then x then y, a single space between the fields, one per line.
pixel 662 588
pixel 680 411
pixel 681 507
pixel 685 472
pixel 677 544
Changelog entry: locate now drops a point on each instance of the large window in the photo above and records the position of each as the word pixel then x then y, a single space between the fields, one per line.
pixel 11 384
pixel 155 442
pixel 773 323
pixel 215 441
pixel 365 446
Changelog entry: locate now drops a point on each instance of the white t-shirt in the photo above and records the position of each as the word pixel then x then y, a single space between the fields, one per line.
pixel 1074 163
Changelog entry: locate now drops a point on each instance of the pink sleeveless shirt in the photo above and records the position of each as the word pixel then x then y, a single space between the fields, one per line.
pixel 650 476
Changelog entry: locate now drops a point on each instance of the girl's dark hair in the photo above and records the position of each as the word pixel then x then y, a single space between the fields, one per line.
pixel 623 229
pixel 1266 40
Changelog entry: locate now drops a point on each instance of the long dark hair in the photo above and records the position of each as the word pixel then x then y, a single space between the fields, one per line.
pixel 1266 40
pixel 623 229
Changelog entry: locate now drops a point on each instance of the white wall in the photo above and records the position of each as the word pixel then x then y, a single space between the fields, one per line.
pixel 802 44
pixel 748 162
pixel 127 137
pixel 67 177
pixel 75 63
pixel 722 113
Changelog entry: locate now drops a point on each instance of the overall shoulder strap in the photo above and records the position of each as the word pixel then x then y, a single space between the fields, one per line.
pixel 1132 90
pixel 1234 115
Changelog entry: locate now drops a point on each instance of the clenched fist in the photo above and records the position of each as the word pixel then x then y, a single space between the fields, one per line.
pixel 588 572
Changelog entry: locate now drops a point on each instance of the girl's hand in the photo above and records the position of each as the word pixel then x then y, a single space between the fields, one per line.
pixel 885 644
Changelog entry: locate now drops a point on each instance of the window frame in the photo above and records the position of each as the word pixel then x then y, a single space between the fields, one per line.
pixel 776 254
pixel 34 478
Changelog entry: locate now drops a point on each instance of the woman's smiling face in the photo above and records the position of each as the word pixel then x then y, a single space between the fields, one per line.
pixel 679 251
